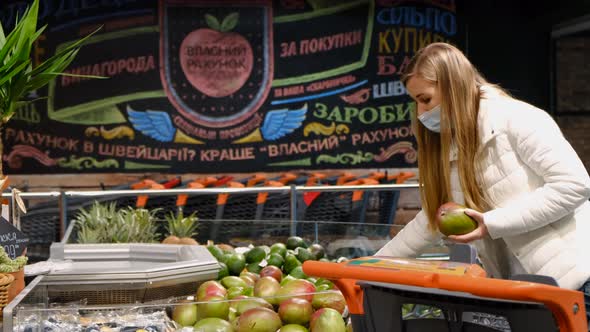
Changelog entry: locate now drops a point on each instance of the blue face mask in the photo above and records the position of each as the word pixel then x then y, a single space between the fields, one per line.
pixel 431 119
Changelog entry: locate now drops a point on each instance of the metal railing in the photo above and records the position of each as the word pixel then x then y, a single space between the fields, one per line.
pixel 65 196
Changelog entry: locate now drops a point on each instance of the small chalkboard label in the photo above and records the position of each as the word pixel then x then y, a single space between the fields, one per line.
pixel 12 239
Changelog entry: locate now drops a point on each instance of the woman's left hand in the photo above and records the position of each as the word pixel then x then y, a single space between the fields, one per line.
pixel 477 233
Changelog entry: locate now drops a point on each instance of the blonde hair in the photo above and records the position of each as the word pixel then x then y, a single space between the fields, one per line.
pixel 458 83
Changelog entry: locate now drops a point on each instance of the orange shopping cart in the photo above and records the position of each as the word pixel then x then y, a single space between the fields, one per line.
pixel 377 289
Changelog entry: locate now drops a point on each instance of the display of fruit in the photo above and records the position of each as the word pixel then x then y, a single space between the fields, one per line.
pixel 255 295
pixel 452 220
pixel 181 228
pixel 258 287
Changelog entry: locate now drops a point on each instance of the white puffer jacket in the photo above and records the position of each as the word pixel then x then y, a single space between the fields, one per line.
pixel 540 191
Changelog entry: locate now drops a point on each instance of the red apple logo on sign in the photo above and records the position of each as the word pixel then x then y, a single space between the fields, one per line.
pixel 215 61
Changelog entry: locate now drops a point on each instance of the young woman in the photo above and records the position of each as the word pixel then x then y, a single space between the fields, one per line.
pixel 504 159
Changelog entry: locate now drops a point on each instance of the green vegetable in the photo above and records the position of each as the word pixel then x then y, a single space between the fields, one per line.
pixel 8 265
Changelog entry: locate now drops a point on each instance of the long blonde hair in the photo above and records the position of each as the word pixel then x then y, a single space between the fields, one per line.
pixel 458 83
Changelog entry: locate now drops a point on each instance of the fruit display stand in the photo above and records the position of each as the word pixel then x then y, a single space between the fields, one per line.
pixel 115 274
pixel 108 279
pixel 251 313
pixel 377 290
pixel 52 308
pixel 352 240
pixel 131 287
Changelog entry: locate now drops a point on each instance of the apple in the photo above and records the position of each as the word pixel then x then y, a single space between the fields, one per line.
pixel 215 61
pixel 452 220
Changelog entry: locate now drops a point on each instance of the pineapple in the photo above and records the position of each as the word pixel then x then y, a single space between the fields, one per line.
pixel 88 235
pixel 93 224
pixel 105 224
pixel 135 226
pixel 181 229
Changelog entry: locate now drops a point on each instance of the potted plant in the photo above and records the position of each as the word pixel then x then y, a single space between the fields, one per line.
pixel 15 268
pixel 18 77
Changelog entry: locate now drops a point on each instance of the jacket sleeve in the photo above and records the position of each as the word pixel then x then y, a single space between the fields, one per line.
pixel 540 145
pixel 411 240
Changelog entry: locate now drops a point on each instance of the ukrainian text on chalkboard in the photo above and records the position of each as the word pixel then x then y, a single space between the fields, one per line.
pixel 12 239
pixel 225 86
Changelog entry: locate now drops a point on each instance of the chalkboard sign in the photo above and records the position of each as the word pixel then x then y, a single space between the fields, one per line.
pixel 12 239
pixel 209 86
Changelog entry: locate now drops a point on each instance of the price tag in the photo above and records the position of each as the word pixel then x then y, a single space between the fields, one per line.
pixel 13 240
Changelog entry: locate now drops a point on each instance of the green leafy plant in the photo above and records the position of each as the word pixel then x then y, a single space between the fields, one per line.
pixel 18 77
pixel 8 265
